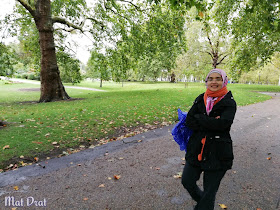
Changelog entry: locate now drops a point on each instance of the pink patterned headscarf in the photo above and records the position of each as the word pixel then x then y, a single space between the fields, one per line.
pixel 210 101
pixel 221 72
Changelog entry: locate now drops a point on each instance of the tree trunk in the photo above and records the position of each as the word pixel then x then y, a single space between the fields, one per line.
pixel 173 78
pixel 52 88
pixel 215 59
pixel 100 82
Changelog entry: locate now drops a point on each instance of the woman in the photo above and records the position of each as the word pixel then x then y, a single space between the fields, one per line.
pixel 209 149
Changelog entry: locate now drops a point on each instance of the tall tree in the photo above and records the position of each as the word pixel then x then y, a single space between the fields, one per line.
pixel 255 26
pixel 217 45
pixel 69 68
pixel 207 46
pixel 98 66
pixel 51 86
pixel 101 21
pixel 7 60
pixel 158 40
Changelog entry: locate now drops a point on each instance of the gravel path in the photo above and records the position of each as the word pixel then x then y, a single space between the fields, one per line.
pixel 148 170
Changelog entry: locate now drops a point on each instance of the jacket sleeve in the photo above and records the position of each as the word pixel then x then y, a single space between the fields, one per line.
pixel 221 124
pixel 191 121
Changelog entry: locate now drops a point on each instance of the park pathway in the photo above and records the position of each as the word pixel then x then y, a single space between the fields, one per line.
pixel 143 174
pixel 38 83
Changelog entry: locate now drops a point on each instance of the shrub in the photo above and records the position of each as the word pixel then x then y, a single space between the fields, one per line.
pixel 24 76
pixel 31 76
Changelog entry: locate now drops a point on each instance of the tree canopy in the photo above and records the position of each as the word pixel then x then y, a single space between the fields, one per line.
pixel 255 27
pixel 143 38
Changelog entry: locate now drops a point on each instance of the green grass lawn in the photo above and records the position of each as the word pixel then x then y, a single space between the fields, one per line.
pixel 95 118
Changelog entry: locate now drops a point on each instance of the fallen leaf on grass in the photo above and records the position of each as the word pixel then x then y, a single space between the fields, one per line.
pixel 117 177
pixel 223 206
pixel 269 158
pixel 102 185
pixel 36 159
pixel 6 147
pixel 16 188
pixel 85 199
pixel 54 143
pixel 37 142
pixel 259 209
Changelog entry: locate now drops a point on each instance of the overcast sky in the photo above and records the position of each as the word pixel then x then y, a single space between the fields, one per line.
pixel 82 51
pixel 6 7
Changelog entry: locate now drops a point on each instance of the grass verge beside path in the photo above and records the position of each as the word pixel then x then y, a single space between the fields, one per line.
pixel 49 129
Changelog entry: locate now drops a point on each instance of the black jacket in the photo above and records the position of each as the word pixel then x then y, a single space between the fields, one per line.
pixel 218 152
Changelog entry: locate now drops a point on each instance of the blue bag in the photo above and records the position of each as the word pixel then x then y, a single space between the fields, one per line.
pixel 181 133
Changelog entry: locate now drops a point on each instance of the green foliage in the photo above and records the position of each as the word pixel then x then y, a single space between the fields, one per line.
pixel 145 38
pixel 199 4
pixel 207 46
pixel 267 74
pixel 98 67
pixel 69 68
pixel 120 61
pixel 195 61
pixel 29 48
pixel 7 60
pixel 137 34
pixel 158 41
pixel 73 10
pixel 255 27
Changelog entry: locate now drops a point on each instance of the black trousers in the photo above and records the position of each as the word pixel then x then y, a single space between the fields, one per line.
pixel 211 181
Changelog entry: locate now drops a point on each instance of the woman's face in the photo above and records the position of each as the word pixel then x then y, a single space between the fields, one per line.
pixel 215 82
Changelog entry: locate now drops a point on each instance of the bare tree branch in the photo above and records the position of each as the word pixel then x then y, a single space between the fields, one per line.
pixel 96 21
pixel 116 13
pixel 210 55
pixel 28 7
pixel 211 45
pixel 65 22
pixel 63 29
pixel 220 62
pixel 217 43
pixel 134 5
